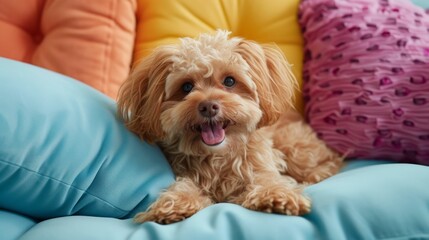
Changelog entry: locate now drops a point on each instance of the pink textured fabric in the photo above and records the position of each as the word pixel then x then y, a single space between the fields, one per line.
pixel 366 76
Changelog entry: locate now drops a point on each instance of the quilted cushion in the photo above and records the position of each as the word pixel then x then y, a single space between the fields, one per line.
pixel 63 151
pixel 367 77
pixel 164 21
pixel 90 42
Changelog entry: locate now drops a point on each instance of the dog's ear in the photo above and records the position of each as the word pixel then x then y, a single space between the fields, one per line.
pixel 141 95
pixel 273 77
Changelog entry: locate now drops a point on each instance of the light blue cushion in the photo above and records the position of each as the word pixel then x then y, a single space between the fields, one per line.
pixel 370 200
pixel 422 3
pixel 63 151
pixel 13 226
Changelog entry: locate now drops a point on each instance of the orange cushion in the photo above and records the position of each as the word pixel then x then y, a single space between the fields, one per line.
pixel 90 41
pixel 276 21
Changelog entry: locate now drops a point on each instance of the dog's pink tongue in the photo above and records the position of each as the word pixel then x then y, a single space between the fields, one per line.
pixel 212 134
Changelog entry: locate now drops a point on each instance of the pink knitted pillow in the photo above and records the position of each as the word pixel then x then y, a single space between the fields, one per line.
pixel 366 76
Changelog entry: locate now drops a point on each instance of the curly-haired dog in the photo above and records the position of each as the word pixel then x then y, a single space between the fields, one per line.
pixel 221 110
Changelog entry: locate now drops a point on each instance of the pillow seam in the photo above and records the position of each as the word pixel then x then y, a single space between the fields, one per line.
pixel 63 183
pixel 108 47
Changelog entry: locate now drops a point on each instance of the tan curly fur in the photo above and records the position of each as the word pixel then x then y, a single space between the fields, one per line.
pixel 237 141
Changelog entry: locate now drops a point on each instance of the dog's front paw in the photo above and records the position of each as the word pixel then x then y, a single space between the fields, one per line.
pixel 173 207
pixel 164 216
pixel 277 199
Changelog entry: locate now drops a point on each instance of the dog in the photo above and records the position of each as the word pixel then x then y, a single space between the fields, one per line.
pixel 221 109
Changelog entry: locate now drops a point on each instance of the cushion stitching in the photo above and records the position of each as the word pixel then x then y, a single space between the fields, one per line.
pixel 63 183
pixel 108 48
pixel 406 236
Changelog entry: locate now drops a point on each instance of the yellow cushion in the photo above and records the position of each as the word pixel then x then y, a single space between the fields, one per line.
pixel 275 21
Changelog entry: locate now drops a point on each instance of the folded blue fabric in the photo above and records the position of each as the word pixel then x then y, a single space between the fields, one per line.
pixel 63 151
pixel 370 200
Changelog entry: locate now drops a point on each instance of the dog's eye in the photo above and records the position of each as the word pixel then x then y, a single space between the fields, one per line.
pixel 187 87
pixel 229 81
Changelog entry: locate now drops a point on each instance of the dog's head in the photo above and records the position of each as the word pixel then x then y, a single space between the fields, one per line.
pixel 208 94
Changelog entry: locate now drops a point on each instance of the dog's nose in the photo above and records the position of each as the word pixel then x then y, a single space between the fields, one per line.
pixel 208 108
